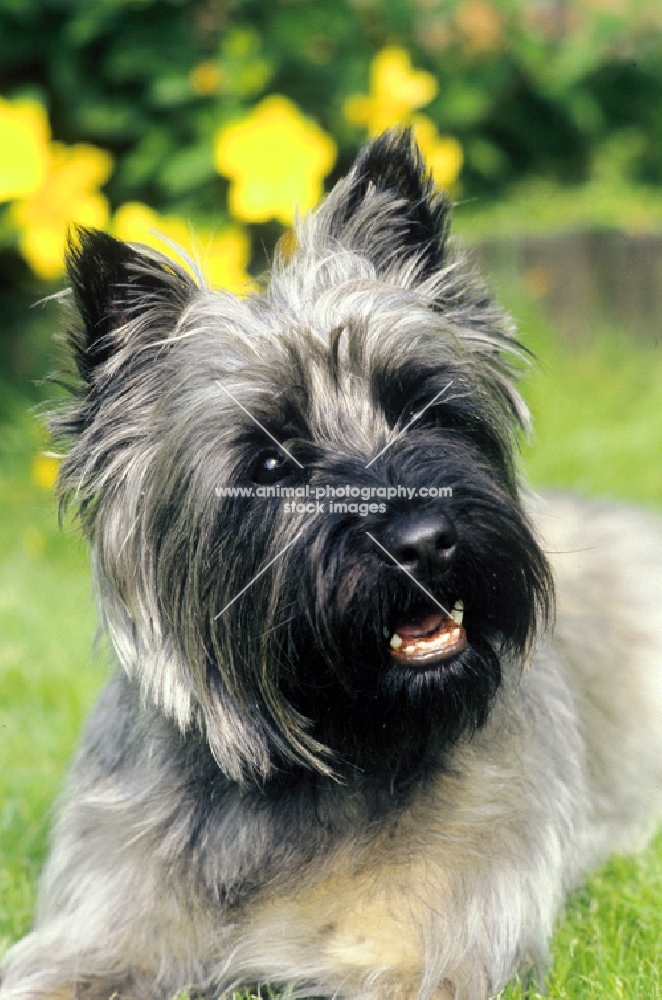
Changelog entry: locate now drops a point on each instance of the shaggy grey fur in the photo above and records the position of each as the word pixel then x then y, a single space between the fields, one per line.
pixel 259 797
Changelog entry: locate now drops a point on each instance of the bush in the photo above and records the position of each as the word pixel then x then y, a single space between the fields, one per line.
pixel 219 115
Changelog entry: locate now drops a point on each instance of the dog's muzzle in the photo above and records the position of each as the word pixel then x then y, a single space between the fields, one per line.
pixel 424 546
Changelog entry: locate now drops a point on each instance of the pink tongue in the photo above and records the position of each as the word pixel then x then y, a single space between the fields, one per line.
pixel 423 627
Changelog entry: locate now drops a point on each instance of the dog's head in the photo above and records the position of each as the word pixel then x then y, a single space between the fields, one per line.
pixel 367 621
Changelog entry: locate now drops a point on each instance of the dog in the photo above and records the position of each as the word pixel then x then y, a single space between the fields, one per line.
pixel 377 709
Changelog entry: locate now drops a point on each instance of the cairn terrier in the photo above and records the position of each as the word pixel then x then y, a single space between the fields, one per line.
pixel 345 750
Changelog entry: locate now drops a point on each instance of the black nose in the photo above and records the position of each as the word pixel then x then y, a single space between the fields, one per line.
pixel 424 544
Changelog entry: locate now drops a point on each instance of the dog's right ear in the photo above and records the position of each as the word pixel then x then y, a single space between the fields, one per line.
pixel 120 291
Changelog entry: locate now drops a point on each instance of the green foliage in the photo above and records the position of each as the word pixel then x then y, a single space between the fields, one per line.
pixel 529 89
pixel 555 104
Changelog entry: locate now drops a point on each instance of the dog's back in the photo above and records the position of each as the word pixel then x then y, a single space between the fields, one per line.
pixel 607 561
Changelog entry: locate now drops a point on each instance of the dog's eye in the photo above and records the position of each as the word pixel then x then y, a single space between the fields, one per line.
pixel 271 467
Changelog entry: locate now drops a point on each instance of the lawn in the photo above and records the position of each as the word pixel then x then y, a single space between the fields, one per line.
pixel 598 410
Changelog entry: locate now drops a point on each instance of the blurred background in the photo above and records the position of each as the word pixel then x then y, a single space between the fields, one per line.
pixel 209 121
pixel 218 117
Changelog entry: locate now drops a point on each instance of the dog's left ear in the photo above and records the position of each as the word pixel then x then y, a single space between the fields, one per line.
pixel 387 208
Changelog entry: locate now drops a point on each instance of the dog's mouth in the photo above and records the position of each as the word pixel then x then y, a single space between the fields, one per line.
pixel 429 638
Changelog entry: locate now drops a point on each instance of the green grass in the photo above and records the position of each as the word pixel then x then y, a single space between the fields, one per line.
pixel 598 410
pixel 48 679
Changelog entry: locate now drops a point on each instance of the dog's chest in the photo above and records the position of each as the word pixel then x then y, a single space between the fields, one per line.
pixel 368 918
pixel 371 907
pixel 436 896
pixel 351 921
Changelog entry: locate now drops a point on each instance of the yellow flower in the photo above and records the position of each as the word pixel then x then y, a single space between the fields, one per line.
pixel 50 185
pixel 443 153
pixel 68 194
pixel 224 255
pixel 44 470
pixel 225 259
pixel 276 160
pixel 24 136
pixel 395 91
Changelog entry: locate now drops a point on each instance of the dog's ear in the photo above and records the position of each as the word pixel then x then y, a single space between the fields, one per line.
pixel 128 302
pixel 114 284
pixel 387 208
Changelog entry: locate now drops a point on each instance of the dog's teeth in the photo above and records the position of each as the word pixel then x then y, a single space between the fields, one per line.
pixel 446 636
pixel 457 614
